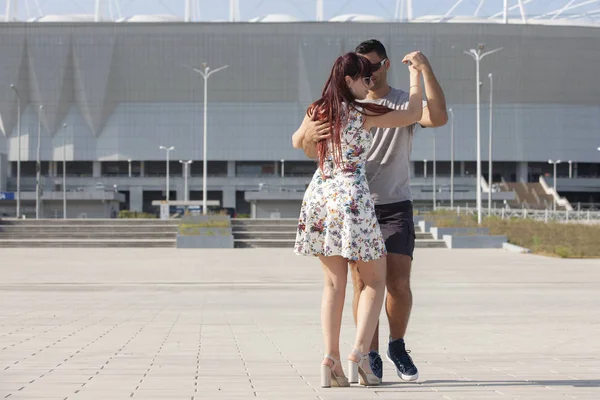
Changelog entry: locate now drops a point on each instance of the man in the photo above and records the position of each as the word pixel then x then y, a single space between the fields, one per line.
pixel 388 173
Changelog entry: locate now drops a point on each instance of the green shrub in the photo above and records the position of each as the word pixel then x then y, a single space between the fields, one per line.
pixel 128 214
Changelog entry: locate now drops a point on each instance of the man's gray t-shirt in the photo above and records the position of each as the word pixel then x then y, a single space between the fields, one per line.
pixel 388 162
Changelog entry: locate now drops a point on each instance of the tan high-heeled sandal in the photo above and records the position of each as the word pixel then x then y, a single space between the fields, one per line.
pixel 356 371
pixel 327 373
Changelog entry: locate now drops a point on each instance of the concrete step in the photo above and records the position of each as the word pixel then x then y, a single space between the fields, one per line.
pixel 430 244
pixel 264 228
pixel 265 235
pixel 116 221
pixel 293 222
pixel 65 229
pixel 8 243
pixel 88 235
pixel 263 243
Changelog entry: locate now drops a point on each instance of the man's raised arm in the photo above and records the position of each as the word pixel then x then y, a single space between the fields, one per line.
pixel 435 114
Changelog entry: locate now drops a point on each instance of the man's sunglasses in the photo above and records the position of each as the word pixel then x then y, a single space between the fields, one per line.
pixel 375 67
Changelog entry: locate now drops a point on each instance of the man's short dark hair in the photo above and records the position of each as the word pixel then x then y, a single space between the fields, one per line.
pixel 370 46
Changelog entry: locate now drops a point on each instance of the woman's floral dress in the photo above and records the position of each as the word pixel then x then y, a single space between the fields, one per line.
pixel 338 215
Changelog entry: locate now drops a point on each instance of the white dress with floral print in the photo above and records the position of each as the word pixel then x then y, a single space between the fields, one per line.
pixel 338 215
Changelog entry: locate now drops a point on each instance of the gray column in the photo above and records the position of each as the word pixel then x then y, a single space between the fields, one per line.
pixel 97 169
pixel 230 169
pixel 575 170
pixel 462 168
pixel 522 171
pixel 136 198
pixel 229 197
pixel 142 168
pixel 179 185
pixel 53 168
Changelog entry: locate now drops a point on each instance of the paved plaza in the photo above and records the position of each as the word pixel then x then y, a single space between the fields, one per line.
pixel 82 324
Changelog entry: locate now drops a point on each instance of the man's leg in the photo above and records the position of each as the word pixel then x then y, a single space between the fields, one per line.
pixel 400 245
pixel 398 303
pixel 398 307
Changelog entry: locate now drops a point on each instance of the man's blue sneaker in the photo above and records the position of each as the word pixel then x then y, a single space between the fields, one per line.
pixel 398 355
pixel 376 364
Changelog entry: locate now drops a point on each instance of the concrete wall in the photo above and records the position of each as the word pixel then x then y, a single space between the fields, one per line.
pixel 123 91
pixel 286 209
pixel 3 171
pixel 79 209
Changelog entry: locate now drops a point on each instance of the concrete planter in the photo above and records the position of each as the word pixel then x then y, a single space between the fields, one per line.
pixel 205 242
pixel 425 226
pixel 417 219
pixel 205 232
pixel 438 233
pixel 474 242
pixel 515 249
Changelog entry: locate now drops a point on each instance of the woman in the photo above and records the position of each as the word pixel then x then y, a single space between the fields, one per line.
pixel 337 219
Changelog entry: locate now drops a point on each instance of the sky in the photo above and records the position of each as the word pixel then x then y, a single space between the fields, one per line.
pixel 301 9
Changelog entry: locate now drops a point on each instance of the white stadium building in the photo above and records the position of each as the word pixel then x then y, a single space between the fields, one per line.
pixel 102 92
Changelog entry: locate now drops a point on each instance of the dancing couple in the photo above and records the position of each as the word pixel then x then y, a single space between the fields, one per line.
pixel 357 209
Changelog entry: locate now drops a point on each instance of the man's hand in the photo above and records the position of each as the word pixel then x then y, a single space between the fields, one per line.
pixel 417 60
pixel 316 131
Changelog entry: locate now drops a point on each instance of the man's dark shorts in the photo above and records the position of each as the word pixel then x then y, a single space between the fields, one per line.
pixel 397 227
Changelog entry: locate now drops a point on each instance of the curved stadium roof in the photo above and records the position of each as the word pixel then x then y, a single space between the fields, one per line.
pixel 532 12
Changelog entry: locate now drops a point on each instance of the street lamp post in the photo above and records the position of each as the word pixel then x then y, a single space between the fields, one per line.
pixel 555 192
pixel 478 56
pixel 434 174
pixel 206 72
pixel 451 158
pixel 490 178
pixel 38 166
pixel 64 185
pixel 167 150
pixel 570 169
pixel 186 165
pixel 13 87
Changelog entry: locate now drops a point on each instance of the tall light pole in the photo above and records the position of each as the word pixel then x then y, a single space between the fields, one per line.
pixel 38 166
pixel 167 150
pixel 490 179
pixel 64 185
pixel 478 56
pixel 206 72
pixel 186 165
pixel 555 192
pixel 451 158
pixel 13 87
pixel 434 174
pixel 129 167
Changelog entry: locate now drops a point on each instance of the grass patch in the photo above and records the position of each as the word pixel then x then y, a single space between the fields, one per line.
pixel 570 240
